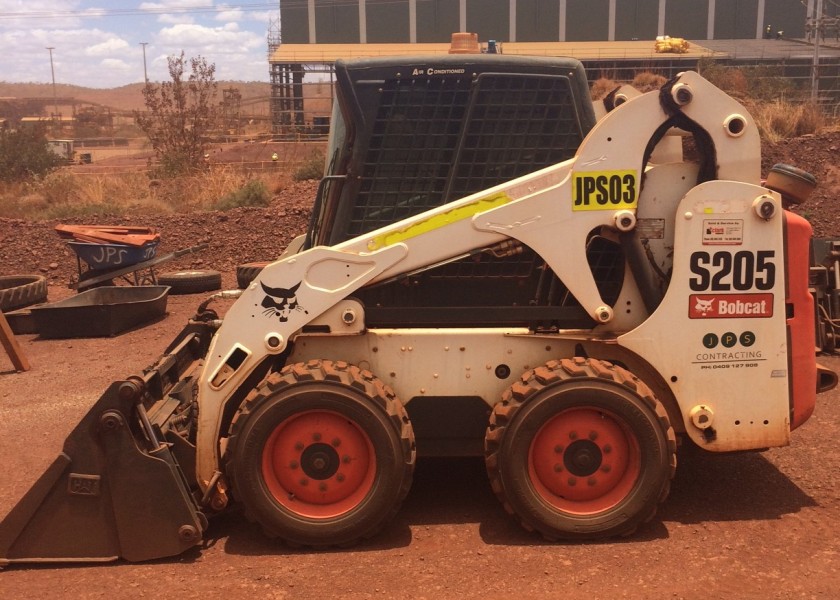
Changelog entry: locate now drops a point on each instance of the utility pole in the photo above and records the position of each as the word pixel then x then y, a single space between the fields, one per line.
pixel 817 28
pixel 145 74
pixel 55 97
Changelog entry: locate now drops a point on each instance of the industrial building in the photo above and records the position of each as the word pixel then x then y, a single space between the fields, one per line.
pixel 429 21
pixel 614 36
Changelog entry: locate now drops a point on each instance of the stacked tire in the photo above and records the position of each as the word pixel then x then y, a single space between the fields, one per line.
pixel 19 291
pixel 191 282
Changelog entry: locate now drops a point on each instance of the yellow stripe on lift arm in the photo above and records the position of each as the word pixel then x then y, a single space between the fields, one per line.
pixel 437 221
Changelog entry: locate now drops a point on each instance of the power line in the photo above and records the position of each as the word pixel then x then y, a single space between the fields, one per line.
pixel 125 12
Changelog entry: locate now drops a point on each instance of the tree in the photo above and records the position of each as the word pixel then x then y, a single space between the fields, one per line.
pixel 24 154
pixel 180 113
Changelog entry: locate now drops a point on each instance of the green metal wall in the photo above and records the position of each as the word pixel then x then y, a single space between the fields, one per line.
pixel 294 24
pixel 537 20
pixel 387 23
pixel 687 19
pixel 636 19
pixel 587 20
pixel 788 15
pixel 337 21
pixel 436 20
pixel 735 19
pixel 490 19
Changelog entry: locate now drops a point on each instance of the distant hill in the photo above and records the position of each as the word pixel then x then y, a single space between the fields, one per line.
pixel 125 98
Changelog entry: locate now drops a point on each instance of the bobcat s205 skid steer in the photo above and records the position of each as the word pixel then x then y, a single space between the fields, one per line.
pixel 554 296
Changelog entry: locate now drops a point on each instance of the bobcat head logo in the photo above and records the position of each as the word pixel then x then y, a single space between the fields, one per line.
pixel 704 306
pixel 280 302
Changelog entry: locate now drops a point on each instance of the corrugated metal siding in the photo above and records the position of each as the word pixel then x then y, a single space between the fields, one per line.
pixel 786 15
pixel 636 19
pixel 686 18
pixel 735 19
pixel 338 23
pixel 587 20
pixel 537 20
pixel 294 24
pixel 437 20
pixel 387 23
pixel 490 19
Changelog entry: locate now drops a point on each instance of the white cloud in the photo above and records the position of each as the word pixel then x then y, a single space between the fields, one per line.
pixel 176 4
pixel 116 64
pixel 232 14
pixel 176 19
pixel 99 51
pixel 109 46
pixel 221 40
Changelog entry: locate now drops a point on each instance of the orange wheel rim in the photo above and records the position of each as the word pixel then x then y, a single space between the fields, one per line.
pixel 319 464
pixel 584 461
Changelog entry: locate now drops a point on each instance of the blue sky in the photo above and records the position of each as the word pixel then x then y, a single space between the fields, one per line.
pixel 97 44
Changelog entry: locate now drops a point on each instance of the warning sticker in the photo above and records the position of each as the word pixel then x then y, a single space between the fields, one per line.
pixel 723 232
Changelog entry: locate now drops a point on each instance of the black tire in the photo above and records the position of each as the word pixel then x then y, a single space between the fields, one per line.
pixel 191 282
pixel 321 454
pixel 246 273
pixel 580 449
pixel 18 291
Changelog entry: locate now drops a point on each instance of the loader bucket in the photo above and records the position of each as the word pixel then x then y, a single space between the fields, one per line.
pixel 104 497
pixel 115 491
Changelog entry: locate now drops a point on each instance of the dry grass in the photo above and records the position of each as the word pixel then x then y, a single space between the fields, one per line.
pixel 65 194
pixel 601 87
pixel 760 90
pixel 647 81
pixel 780 120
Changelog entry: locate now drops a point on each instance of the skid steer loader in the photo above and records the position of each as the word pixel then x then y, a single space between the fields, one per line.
pixel 487 272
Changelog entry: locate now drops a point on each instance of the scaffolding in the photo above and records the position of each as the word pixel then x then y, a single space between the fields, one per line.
pixel 290 115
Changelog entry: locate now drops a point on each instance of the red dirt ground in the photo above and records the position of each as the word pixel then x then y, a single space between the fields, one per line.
pixel 751 525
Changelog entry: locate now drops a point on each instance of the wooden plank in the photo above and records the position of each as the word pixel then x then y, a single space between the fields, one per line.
pixel 13 349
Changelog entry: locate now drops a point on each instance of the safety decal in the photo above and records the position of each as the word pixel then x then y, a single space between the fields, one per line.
pixel 604 190
pixel 730 306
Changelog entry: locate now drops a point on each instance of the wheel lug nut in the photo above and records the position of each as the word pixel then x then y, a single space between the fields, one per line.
pixel 591 481
pixel 345 459
pixel 336 443
pixel 607 449
pixel 339 477
pixel 573 435
pixel 606 468
pixel 323 487
pixel 304 481
pixel 558 468
pixel 558 449
pixel 299 446
pixel 316 437
pixel 293 464
pixel 593 435
pixel 572 481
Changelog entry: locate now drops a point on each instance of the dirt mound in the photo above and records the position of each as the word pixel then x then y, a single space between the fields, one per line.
pixel 252 234
pixel 234 237
pixel 820 156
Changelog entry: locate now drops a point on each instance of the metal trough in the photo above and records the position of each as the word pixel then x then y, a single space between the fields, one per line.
pixel 100 312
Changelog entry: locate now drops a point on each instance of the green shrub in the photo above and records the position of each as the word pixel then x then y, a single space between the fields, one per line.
pixel 25 155
pixel 253 193
pixel 313 168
